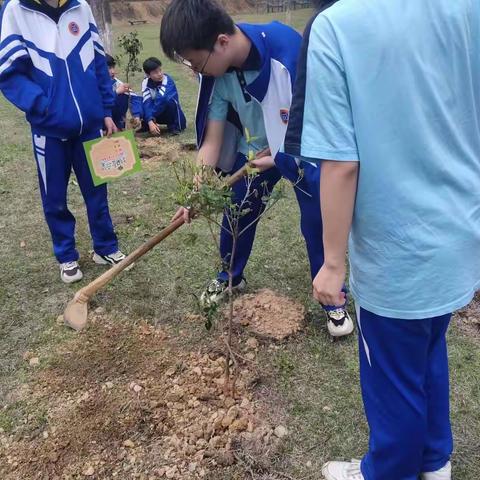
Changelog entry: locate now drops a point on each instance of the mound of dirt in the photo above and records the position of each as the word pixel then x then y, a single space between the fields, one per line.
pixel 152 10
pixel 123 401
pixel 269 314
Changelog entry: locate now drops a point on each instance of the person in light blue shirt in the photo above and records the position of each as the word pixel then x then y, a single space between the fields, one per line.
pixel 389 104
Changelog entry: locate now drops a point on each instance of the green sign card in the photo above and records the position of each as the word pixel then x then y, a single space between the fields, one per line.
pixel 110 158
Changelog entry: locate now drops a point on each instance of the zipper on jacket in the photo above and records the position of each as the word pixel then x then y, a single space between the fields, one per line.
pixel 69 76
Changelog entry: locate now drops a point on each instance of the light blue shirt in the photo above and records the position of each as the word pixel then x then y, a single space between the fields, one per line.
pixel 395 85
pixel 228 90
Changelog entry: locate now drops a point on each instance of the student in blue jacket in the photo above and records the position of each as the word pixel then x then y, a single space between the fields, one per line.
pixel 52 67
pixel 121 92
pixel 161 104
pixel 247 72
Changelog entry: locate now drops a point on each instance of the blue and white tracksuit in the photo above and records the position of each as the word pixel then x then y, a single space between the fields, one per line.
pixel 120 109
pixel 278 47
pixel 55 71
pixel 161 103
pixel 403 366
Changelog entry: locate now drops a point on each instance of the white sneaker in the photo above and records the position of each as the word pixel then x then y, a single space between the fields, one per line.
pixel 111 259
pixel 217 289
pixel 339 322
pixel 70 272
pixel 342 471
pixel 444 473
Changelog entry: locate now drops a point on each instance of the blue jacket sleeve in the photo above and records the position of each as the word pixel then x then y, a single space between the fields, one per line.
pixel 288 166
pixel 148 107
pixel 103 77
pixel 136 107
pixel 15 66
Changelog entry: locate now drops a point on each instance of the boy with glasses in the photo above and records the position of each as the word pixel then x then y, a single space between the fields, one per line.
pixel 247 72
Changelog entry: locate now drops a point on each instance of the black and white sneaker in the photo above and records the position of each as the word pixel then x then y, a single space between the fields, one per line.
pixel 217 289
pixel 339 322
pixel 111 259
pixel 70 272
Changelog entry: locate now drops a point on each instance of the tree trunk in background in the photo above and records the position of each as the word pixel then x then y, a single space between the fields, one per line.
pixel 103 17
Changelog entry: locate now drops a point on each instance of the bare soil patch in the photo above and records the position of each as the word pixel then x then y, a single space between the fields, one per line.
pixel 129 401
pixel 269 314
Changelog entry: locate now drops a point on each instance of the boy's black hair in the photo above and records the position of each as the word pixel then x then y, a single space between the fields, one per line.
pixel 193 25
pixel 151 64
pixel 323 4
pixel 111 62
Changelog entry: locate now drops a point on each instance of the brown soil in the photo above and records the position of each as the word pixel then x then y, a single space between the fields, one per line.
pixel 123 401
pixel 468 319
pixel 269 314
pixel 152 10
pixel 157 149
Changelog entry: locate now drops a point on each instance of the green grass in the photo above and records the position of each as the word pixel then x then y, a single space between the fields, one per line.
pixel 310 381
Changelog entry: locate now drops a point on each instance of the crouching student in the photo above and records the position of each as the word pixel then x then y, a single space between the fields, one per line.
pixel 161 103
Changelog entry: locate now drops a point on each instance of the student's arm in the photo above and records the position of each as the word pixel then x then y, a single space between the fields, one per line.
pixel 147 102
pixel 338 188
pixel 328 136
pixel 136 107
pixel 209 153
pixel 103 77
pixel 148 109
pixel 15 65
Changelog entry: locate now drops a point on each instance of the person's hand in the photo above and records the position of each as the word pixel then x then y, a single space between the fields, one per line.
pixel 123 88
pixel 263 163
pixel 136 122
pixel 328 284
pixel 154 128
pixel 184 212
pixel 110 126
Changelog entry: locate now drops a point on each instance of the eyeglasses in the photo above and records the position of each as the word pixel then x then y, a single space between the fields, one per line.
pixel 189 64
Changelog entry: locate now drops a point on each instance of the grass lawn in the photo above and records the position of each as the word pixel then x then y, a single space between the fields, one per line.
pixel 308 383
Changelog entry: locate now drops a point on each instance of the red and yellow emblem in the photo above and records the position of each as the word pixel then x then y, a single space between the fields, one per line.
pixel 284 115
pixel 73 28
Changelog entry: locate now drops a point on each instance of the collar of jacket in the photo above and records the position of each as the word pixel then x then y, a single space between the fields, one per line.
pixel 152 84
pixel 258 36
pixel 52 12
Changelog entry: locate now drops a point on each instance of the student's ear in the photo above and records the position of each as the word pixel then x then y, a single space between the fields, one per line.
pixel 223 40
